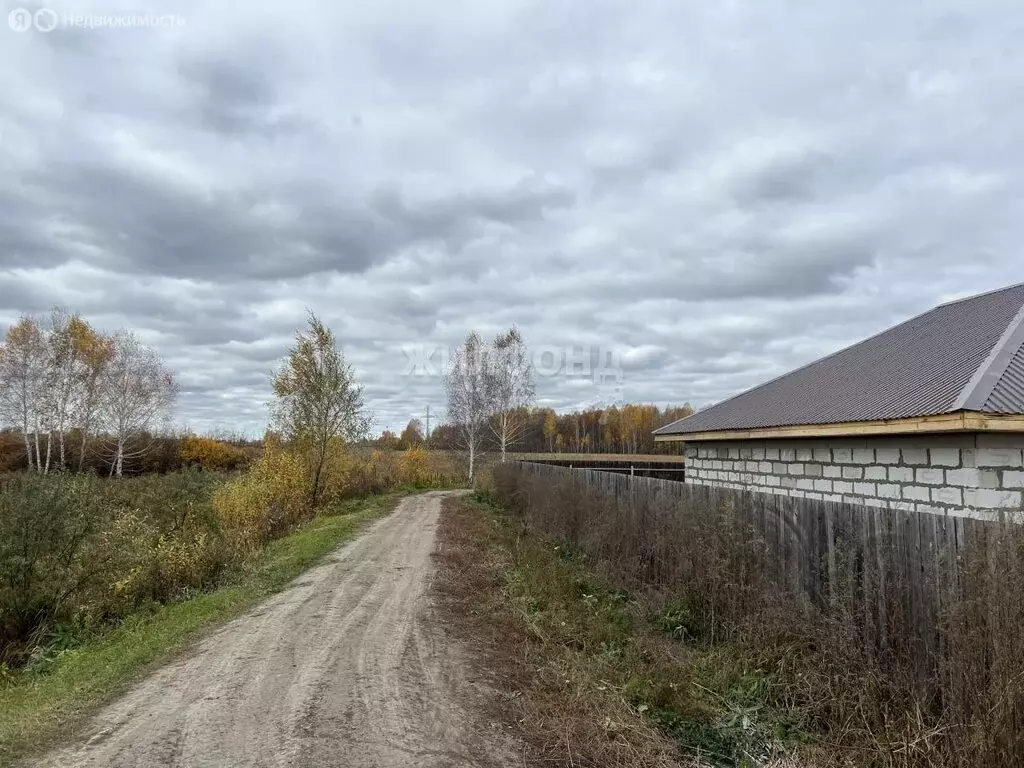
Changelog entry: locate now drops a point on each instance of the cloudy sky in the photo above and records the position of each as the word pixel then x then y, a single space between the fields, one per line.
pixel 711 193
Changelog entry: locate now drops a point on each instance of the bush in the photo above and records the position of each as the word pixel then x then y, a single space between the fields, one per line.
pixel 265 502
pixel 47 523
pixel 80 550
pixel 209 454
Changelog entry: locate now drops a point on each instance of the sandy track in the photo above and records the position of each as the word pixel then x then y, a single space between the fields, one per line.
pixel 342 668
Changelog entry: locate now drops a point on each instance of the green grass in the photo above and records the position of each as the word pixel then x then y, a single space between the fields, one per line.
pixel 48 702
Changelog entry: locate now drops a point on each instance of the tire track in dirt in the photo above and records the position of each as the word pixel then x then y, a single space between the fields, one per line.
pixel 343 668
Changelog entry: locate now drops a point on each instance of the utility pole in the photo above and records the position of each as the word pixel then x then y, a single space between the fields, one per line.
pixel 426 434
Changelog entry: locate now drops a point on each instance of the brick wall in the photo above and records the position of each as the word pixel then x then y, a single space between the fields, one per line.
pixel 968 475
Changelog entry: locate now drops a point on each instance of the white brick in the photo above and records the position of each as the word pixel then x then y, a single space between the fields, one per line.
pixel 734 453
pixel 987 498
pixel 917 493
pixel 915 456
pixel 945 457
pixel 931 476
pixel 757 453
pixel 952 497
pixel 798 494
pixel 889 490
pixel 931 509
pixel 969 457
pixel 787 454
pixel 771 454
pixel 774 481
pixel 764 466
pixel 964 478
pixel 751 466
pixel 837 498
pixel 864 501
pixel 805 484
pixel 874 473
pixel 865 489
pixel 795 469
pixel 842 455
pixel 998 457
pixel 853 473
pixel 988 478
pixel 1013 479
pixel 824 455
pixel 903 506
pixel 813 495
pixel 864 456
pixel 823 485
pixel 831 470
pixel 901 474
pixel 840 486
pixel 887 455
pixel 803 454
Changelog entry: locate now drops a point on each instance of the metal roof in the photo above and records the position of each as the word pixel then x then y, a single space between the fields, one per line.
pixel 964 355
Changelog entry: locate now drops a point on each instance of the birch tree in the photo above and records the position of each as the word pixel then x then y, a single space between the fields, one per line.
pixel 138 394
pixel 95 352
pixel 69 342
pixel 318 398
pixel 511 388
pixel 23 364
pixel 468 387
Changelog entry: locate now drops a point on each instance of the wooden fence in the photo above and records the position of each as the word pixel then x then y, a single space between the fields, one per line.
pixel 892 570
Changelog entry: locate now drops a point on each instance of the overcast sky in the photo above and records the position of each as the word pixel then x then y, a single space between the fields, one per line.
pixel 713 193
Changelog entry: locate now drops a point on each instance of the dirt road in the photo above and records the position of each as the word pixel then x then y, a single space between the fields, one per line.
pixel 343 668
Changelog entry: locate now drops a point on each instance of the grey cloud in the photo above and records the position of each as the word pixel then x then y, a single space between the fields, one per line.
pixel 786 179
pixel 236 97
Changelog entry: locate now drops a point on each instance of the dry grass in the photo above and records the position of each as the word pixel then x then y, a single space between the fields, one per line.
pixel 587 675
pixel 957 703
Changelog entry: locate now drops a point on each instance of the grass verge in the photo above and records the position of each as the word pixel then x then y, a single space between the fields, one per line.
pixel 48 701
pixel 590 676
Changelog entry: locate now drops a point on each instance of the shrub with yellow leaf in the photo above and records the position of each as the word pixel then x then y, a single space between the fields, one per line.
pixel 212 455
pixel 266 501
pixel 414 465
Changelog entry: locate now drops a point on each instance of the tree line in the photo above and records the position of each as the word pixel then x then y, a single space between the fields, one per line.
pixel 62 380
pixel 613 429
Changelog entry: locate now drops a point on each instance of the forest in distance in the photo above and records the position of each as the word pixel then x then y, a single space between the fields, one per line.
pixel 618 429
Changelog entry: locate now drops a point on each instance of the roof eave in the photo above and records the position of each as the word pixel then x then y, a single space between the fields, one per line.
pixel 960 421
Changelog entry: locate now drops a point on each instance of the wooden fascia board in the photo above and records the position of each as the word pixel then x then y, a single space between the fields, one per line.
pixel 962 421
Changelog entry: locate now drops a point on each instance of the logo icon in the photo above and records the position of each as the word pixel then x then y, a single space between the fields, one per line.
pixel 20 20
pixel 45 19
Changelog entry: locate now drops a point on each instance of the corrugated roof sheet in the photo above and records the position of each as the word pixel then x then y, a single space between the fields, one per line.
pixel 962 355
pixel 1008 395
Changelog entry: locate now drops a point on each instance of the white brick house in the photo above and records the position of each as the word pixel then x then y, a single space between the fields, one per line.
pixel 927 416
